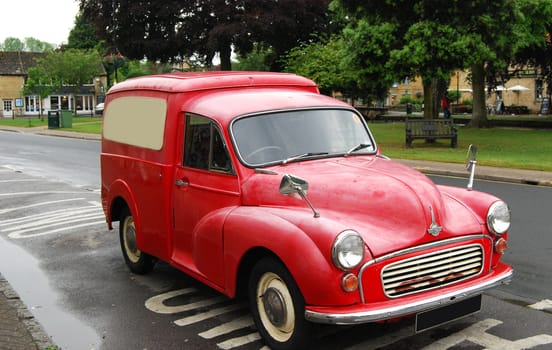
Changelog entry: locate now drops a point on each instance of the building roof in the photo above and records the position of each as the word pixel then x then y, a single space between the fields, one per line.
pixel 17 62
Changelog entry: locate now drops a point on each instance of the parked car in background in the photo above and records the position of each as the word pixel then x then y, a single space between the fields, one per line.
pixel 99 108
pixel 257 185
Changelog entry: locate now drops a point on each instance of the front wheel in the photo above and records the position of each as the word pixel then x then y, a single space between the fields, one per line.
pixel 136 260
pixel 277 306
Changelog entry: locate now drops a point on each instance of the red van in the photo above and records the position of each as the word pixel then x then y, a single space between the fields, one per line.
pixel 256 184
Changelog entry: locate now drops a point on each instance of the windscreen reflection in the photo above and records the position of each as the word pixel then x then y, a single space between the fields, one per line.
pixel 301 134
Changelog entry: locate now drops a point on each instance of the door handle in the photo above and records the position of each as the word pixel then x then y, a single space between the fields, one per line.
pixel 182 182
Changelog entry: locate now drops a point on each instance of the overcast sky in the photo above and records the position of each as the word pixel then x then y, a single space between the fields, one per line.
pixel 45 20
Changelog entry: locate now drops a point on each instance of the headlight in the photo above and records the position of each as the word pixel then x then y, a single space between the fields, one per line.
pixel 348 250
pixel 498 218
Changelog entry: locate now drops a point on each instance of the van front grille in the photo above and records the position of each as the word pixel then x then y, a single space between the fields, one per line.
pixel 432 270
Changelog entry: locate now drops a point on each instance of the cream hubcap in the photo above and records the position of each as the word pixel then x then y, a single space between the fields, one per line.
pixel 129 240
pixel 275 306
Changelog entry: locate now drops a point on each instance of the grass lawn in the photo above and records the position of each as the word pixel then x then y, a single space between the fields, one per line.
pixel 93 126
pixel 501 147
pixel 35 121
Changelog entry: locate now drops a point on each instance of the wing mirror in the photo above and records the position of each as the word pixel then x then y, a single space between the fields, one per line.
pixel 292 184
pixel 471 161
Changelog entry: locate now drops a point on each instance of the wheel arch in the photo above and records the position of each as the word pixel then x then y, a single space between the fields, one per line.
pixel 246 265
pixel 120 196
pixel 117 206
pixel 252 233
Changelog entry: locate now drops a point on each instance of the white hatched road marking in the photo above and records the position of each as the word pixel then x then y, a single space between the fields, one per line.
pixel 545 304
pixel 186 321
pixel 477 334
pixel 236 342
pixel 157 304
pixel 228 327
pixel 8 210
pixel 20 180
pixel 49 222
pixel 33 193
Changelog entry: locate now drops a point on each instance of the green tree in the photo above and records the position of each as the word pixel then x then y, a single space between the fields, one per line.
pixel 390 41
pixel 259 59
pixel 492 35
pixel 83 35
pixel 428 38
pixel 35 45
pixel 325 63
pixel 71 68
pixel 535 51
pixel 13 44
pixel 29 44
pixel 39 82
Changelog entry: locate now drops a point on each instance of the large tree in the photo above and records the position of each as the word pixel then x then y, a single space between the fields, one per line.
pixel 39 83
pixel 324 62
pixel 83 35
pixel 430 38
pixel 172 30
pixel 392 40
pixel 535 53
pixel 35 45
pixel 13 44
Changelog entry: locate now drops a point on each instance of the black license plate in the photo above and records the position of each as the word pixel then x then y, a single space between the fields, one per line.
pixel 436 317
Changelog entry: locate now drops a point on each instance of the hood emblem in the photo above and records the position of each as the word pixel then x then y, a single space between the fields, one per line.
pixel 433 229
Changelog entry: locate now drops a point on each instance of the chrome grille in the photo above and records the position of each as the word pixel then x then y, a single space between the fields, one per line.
pixel 432 270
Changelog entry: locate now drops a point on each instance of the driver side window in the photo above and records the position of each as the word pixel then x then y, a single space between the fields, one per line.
pixel 204 146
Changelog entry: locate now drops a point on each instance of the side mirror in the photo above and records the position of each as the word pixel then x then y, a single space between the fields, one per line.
pixel 471 161
pixel 471 157
pixel 292 184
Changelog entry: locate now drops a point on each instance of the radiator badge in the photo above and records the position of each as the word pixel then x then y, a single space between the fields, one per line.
pixel 433 229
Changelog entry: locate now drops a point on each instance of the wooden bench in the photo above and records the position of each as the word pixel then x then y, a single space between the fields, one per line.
pixel 430 129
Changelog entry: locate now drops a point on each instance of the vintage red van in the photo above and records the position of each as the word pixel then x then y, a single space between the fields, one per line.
pixel 256 184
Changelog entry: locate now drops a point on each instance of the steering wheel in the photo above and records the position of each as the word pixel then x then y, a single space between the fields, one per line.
pixel 264 149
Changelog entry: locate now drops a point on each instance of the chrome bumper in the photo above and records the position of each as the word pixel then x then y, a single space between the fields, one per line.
pixel 385 313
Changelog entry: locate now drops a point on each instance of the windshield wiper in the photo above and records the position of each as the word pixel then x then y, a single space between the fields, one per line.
pixel 302 156
pixel 358 148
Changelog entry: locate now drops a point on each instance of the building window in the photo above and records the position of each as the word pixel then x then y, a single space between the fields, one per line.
pixel 32 103
pixel 539 88
pixel 8 107
pixel 65 102
pixel 54 103
pixel 84 103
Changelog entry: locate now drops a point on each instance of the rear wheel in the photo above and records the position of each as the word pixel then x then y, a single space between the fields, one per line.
pixel 138 261
pixel 277 306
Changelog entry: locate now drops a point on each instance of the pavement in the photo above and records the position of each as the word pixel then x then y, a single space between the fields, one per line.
pixel 20 331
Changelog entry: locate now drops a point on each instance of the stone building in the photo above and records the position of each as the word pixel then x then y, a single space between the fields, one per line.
pixel 523 90
pixel 14 67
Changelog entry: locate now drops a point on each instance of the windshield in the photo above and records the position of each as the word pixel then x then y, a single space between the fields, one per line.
pixel 283 137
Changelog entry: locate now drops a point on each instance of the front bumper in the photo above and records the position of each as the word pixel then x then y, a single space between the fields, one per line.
pixel 365 313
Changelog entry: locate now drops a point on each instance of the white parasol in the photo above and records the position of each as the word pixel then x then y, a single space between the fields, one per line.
pixel 518 88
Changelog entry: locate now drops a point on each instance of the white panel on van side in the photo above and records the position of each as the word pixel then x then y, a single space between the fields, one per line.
pixel 136 120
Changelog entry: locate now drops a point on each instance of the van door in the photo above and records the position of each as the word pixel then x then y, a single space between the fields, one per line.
pixel 205 191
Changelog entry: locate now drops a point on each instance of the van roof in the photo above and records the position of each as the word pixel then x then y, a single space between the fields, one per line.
pixel 225 105
pixel 197 81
